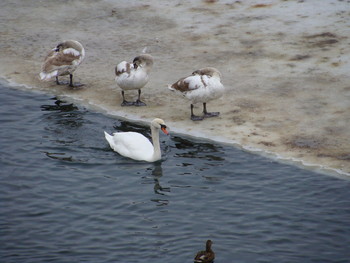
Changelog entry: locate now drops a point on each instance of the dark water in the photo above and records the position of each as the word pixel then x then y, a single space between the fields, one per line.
pixel 67 197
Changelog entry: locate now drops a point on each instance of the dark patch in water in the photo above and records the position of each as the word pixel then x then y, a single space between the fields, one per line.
pixel 59 156
pixel 59 106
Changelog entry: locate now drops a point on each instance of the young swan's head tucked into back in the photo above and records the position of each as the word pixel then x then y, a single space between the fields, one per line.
pixel 209 71
pixel 143 61
pixel 76 47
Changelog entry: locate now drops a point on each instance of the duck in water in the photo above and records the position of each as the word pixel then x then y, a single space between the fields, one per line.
pixel 205 256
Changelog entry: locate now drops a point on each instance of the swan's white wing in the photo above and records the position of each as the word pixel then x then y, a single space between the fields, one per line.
pixel 197 82
pixel 188 84
pixel 57 63
pixel 199 88
pixel 131 144
pixel 124 68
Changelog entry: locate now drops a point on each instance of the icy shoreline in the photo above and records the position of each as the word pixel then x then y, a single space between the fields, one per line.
pixel 183 132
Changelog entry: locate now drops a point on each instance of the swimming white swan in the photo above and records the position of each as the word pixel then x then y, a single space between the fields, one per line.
pixel 63 60
pixel 135 75
pixel 136 146
pixel 202 86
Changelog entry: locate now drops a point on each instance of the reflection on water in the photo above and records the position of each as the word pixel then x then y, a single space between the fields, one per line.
pixel 59 105
pixel 61 118
pixel 64 114
pixel 210 153
pixel 124 126
pixel 59 156
pixel 64 191
pixel 155 178
pixel 157 173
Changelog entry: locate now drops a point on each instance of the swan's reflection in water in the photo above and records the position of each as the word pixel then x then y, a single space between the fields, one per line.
pixel 157 173
pixel 182 160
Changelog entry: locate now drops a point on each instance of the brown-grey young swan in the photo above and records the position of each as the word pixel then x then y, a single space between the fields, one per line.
pixel 202 86
pixel 134 76
pixel 64 59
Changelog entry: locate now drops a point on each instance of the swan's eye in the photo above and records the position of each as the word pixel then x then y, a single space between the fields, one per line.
pixel 163 126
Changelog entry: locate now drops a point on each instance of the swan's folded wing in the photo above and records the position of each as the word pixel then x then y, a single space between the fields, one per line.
pixel 198 82
pixel 56 60
pixel 190 83
pixel 123 67
pixel 133 145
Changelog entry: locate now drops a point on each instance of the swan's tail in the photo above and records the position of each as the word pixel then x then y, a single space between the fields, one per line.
pixel 109 139
pixel 170 87
pixel 47 76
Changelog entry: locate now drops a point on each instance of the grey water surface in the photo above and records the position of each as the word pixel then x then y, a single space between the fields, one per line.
pixel 67 197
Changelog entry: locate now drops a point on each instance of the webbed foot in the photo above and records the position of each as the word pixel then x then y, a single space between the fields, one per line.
pixel 76 85
pixel 211 114
pixel 197 118
pixel 127 103
pixel 139 103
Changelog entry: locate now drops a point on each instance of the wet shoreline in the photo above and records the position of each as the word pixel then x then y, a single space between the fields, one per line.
pixel 287 94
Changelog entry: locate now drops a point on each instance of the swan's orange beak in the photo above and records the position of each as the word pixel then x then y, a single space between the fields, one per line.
pixel 164 130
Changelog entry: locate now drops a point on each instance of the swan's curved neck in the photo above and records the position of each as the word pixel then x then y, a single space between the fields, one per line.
pixel 156 145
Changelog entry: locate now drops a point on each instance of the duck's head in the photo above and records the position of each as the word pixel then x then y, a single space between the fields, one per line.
pixel 160 124
pixel 208 245
pixel 143 60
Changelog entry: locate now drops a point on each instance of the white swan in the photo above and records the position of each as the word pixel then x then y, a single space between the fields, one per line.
pixel 202 86
pixel 136 146
pixel 63 60
pixel 135 75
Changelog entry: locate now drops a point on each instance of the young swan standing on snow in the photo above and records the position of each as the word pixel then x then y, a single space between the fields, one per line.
pixel 135 75
pixel 202 86
pixel 136 146
pixel 63 60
